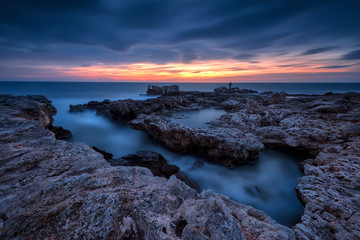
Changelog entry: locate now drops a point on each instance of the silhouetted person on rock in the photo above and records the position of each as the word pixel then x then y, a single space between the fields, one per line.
pixel 230 85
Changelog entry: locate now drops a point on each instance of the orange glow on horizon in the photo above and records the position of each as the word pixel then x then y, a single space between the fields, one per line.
pixel 199 71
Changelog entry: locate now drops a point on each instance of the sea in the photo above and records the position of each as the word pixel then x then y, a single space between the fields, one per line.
pixel 268 185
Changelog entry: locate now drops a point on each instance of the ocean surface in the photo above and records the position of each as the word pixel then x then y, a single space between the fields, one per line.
pixel 268 185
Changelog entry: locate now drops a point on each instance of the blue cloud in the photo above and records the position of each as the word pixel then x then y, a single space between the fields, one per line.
pixel 351 55
pixel 162 31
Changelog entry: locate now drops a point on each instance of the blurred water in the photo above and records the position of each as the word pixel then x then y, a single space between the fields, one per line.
pixel 268 185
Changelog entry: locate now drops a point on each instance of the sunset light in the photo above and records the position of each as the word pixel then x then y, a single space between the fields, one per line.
pixel 190 119
pixel 133 41
pixel 196 71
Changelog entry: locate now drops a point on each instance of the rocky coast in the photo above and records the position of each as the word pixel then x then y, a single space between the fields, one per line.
pixel 53 189
pixel 50 188
pixel 325 129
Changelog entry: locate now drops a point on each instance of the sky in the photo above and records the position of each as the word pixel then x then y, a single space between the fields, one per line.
pixel 180 40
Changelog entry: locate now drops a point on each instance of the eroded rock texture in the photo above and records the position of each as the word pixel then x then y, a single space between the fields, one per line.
pixel 52 189
pixel 230 147
pixel 325 128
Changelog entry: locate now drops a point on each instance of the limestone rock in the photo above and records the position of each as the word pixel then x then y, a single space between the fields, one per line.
pixel 324 127
pixel 228 147
pixel 53 189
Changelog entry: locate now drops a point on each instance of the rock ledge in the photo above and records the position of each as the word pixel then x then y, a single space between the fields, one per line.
pixel 54 189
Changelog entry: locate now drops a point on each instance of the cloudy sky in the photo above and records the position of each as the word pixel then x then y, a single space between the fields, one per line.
pixel 184 40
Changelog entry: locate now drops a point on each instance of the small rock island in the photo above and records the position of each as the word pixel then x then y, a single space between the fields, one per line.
pixel 51 188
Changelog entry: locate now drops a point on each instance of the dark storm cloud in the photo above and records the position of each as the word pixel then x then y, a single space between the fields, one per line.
pixel 317 50
pixel 351 55
pixel 162 31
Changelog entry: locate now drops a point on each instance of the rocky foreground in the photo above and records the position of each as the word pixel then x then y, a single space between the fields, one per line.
pixel 324 128
pixel 53 189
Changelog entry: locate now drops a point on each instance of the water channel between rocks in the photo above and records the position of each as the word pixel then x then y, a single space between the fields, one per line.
pixel 268 185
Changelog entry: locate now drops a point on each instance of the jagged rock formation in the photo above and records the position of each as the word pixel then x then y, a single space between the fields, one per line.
pixel 330 191
pixel 129 109
pixel 226 146
pixel 323 127
pixel 37 108
pixel 328 128
pixel 59 190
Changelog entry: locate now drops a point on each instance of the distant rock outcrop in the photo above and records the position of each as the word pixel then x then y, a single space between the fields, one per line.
pixel 163 90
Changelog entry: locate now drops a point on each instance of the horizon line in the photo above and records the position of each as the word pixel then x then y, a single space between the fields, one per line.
pixel 161 82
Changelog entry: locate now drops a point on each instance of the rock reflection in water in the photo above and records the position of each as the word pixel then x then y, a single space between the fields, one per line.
pixel 268 185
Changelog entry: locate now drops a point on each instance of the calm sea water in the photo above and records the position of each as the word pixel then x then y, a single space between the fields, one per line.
pixel 268 185
pixel 127 90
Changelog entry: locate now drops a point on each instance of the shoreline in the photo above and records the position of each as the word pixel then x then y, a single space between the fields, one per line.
pixel 319 126
pixel 320 207
pixel 72 192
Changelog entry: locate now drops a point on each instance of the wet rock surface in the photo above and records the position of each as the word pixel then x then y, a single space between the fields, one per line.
pixel 53 189
pixel 324 127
